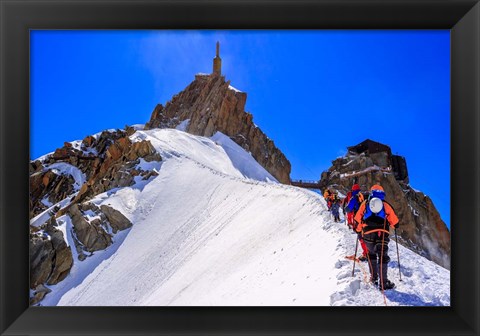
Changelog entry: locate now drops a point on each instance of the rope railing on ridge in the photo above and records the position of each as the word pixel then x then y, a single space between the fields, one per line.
pixel 305 181
pixel 306 184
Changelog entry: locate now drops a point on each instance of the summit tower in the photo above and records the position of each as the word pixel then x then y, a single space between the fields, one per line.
pixel 217 61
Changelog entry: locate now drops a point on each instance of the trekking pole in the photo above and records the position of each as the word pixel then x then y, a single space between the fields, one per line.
pixel 398 255
pixel 355 257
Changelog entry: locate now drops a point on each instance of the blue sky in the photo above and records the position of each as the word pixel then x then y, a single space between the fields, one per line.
pixel 312 92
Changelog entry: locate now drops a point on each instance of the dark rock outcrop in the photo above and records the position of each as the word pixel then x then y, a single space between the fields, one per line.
pixel 41 256
pixel 50 257
pixel 39 293
pixel 94 227
pixel 211 104
pixel 91 235
pixel 117 220
pixel 63 260
pixel 47 186
pixel 421 228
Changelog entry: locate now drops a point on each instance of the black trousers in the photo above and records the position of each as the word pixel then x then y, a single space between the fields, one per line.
pixel 378 257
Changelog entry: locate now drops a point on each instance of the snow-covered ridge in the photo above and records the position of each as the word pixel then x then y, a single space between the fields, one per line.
pixel 214 228
pixel 219 152
pixel 234 89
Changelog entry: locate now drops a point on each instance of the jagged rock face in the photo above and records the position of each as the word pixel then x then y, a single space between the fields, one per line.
pixel 211 105
pixel 118 167
pixel 106 161
pixel 90 234
pixel 41 256
pixel 93 232
pixel 117 220
pixel 46 185
pixel 50 257
pixel 421 228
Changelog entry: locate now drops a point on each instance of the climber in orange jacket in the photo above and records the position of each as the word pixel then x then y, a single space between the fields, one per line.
pixel 374 219
pixel 351 205
pixel 328 196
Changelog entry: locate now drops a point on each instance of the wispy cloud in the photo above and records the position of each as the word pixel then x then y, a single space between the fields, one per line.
pixel 173 57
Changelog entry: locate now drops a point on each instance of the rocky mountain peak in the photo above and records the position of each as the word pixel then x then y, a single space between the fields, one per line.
pixel 210 104
pixel 421 227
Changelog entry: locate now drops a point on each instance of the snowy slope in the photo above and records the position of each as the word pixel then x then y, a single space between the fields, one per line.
pixel 214 228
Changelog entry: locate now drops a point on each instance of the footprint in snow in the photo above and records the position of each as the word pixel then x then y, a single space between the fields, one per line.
pixel 335 297
pixel 350 290
pixel 354 286
pixel 343 275
pixel 405 271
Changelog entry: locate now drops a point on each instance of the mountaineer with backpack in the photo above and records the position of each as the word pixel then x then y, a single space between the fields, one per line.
pixel 351 205
pixel 335 209
pixel 372 219
pixel 328 196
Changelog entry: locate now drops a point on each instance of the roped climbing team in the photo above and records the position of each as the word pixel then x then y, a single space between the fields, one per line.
pixel 370 218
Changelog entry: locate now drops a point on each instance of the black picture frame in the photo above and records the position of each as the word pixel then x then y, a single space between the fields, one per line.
pixel 17 17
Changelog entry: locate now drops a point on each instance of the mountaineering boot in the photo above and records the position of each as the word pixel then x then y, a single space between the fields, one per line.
pixel 387 285
pixel 363 257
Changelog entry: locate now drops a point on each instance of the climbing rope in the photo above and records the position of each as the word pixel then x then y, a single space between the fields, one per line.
pixel 381 261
